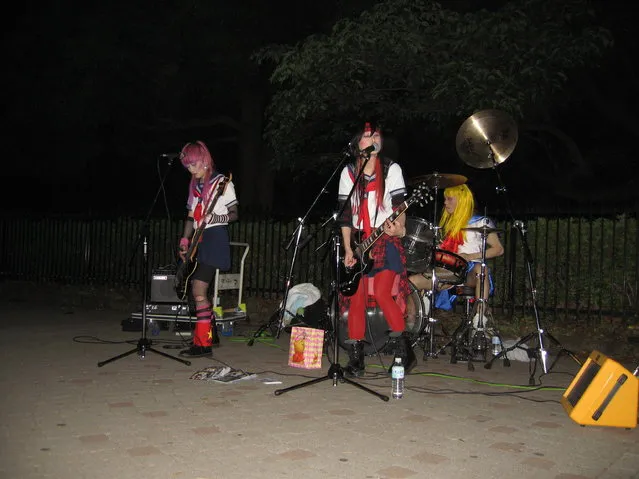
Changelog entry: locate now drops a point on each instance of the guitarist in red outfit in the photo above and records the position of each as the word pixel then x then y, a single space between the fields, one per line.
pixel 213 250
pixel 380 190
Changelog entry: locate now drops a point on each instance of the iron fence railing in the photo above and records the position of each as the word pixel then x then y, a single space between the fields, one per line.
pixel 583 267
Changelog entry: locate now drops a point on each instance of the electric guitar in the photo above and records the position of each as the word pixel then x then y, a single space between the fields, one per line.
pixel 187 267
pixel 349 277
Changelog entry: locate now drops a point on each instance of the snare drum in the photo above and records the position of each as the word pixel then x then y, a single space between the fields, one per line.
pixel 450 268
pixel 418 244
pixel 377 329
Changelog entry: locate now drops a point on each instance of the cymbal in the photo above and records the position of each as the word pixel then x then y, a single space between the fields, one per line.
pixel 483 229
pixel 439 180
pixel 486 139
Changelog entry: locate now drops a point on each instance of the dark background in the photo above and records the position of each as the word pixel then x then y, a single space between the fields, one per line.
pixel 95 93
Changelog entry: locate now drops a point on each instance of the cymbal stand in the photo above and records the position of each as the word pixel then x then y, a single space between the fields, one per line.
pixel 480 330
pixel 538 352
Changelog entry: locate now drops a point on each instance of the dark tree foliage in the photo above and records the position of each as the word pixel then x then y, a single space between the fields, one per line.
pixel 406 61
pixel 565 70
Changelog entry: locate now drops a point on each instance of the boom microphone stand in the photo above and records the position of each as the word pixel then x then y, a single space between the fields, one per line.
pixel 335 371
pixel 145 344
pixel 538 350
pixel 278 316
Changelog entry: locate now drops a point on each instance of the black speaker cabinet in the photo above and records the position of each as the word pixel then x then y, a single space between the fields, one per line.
pixel 162 290
pixel 603 393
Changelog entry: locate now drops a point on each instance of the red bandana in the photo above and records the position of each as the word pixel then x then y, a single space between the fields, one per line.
pixel 452 243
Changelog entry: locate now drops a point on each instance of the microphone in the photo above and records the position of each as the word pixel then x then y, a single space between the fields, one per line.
pixel 171 156
pixel 369 149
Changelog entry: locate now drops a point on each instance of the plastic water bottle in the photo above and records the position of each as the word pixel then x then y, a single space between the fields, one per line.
pixel 155 328
pixel 496 345
pixel 397 373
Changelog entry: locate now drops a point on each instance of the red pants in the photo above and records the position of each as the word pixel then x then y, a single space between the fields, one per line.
pixel 383 285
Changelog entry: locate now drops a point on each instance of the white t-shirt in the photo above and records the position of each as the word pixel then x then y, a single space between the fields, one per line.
pixel 473 242
pixel 394 186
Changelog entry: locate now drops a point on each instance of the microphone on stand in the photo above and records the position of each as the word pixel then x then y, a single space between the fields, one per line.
pixel 369 149
pixel 171 156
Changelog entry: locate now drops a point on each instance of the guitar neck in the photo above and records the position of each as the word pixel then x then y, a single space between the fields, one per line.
pixel 195 240
pixel 379 231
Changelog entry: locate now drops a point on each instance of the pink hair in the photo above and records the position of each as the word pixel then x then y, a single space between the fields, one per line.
pixel 193 154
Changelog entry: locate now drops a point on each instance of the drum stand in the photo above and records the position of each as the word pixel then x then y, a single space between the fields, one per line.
pixel 431 353
pixel 477 341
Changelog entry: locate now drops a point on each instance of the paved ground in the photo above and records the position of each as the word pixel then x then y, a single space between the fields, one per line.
pixel 63 417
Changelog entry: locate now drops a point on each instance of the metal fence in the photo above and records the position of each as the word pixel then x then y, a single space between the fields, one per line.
pixel 583 267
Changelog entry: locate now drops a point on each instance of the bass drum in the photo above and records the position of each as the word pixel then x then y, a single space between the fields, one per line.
pixel 377 331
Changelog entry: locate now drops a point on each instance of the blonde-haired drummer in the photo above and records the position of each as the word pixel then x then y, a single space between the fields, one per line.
pixel 457 215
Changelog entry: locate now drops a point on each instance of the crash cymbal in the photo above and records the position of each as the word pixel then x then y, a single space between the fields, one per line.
pixel 486 139
pixel 439 180
pixel 483 229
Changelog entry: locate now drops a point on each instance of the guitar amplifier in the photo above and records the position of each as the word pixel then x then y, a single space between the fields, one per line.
pixel 603 393
pixel 162 286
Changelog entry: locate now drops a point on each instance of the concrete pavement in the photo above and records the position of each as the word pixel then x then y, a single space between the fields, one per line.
pixel 63 417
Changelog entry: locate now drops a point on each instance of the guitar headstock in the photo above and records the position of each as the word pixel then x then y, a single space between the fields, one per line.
pixel 422 194
pixel 222 184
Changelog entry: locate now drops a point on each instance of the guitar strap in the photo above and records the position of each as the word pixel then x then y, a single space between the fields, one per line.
pixel 200 210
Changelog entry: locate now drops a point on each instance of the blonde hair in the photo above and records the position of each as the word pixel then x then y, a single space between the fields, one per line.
pixel 452 223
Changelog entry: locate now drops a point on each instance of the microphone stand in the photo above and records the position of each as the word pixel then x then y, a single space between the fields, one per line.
pixel 145 344
pixel 539 351
pixel 335 371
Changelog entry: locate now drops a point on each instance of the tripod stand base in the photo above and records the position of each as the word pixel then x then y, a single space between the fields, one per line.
pixel 273 324
pixel 336 373
pixel 536 353
pixel 143 346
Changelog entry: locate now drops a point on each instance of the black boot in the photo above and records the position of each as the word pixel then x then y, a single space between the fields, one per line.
pixel 216 337
pixel 404 350
pixel 196 352
pixel 355 366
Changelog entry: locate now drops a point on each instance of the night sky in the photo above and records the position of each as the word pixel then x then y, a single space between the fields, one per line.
pixel 94 94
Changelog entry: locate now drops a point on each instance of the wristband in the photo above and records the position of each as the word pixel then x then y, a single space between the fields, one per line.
pixel 220 218
pixel 184 243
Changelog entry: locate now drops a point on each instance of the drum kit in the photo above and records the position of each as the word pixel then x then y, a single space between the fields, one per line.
pixel 446 271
